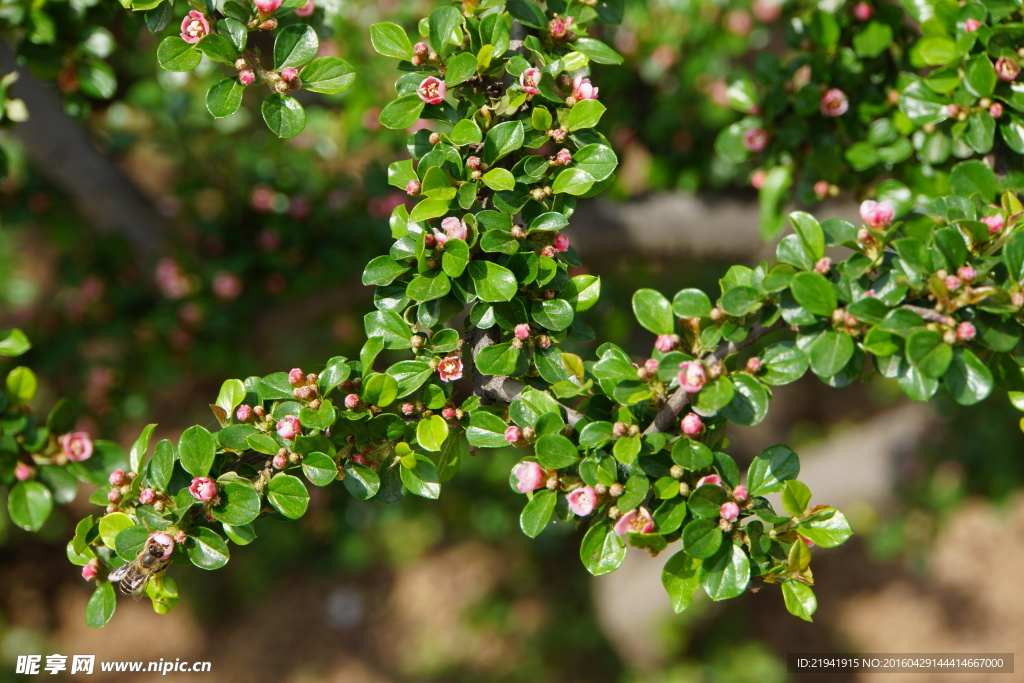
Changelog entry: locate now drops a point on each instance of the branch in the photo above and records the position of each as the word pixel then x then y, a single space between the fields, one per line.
pixel 931 316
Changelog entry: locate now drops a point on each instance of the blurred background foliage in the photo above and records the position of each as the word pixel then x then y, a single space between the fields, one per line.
pixel 254 267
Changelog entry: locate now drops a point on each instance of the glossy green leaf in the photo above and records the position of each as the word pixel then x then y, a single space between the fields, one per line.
pixel 288 495
pixel 827 528
pixel 423 478
pixel 679 577
pixel 197 448
pixel 295 45
pixel 283 115
pixel 493 282
pixel 327 75
pixel 320 469
pixel 726 574
pixel 800 600
pixel 537 512
pixel 206 548
pixel 602 551
pixel 101 605
pixel 361 482
pixel 968 379
pixel 584 114
pixel 402 112
pixel 814 292
pixel 174 54
pixel 702 538
pixel 573 181
pixel 29 504
pixel 502 139
pixel 555 451
pixel 771 468
pixel 390 40
pixel 239 503
pixel 929 353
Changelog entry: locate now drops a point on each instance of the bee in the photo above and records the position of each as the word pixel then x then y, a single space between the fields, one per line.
pixel 151 561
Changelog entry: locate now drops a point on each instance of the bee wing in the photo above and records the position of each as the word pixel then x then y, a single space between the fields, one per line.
pixel 119 573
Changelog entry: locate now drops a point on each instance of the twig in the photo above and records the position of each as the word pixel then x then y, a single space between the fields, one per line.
pixel 931 316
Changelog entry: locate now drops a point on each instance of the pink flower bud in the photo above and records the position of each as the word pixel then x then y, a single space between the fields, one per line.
pixel 561 243
pixel 194 26
pixel 834 103
pixel 559 26
pixel 965 332
pixel 995 223
pixel 620 429
pixel 952 283
pixel 160 538
pixel 296 377
pixel 89 572
pixel 972 25
pixel 821 189
pixel 638 521
pixel 407 408
pixel 548 251
pixel 22 472
pixel 755 139
pixel 666 342
pixel 246 77
pixel 421 50
pixel 729 511
pixel 429 240
pixel 582 500
pixel 306 10
pixel 530 475
pixel 114 495
pixel 711 480
pixel 582 89
pixel 564 157
pixel 352 401
pixel 692 424
pixel 651 365
pixel 757 179
pixel 473 163
pixel 529 80
pixel 432 90
pixel 877 215
pixel 289 74
pixel 754 365
pixel 77 446
pixel 288 427
pixel 450 369
pixel 522 331
pixel 455 228
pixel 863 11
pixel 823 265
pixel 203 488
pixel 513 434
pixel 996 110
pixel 243 413
pixel 412 188
pixel 267 6
pixel 448 413
pixel 692 376
pixel 147 496
pixel 966 274
pixel 117 478
pixel 280 461
pixel 361 460
pixel 1007 69
pixel 739 494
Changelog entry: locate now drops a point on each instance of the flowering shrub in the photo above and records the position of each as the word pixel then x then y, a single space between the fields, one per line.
pixel 929 288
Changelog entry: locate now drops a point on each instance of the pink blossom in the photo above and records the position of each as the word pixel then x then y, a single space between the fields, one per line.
pixel 877 215
pixel 267 6
pixel 757 179
pixel 582 500
pixel 289 74
pixel 432 90
pixel 996 110
pixel 89 572
pixel 651 365
pixel 995 223
pixel 413 187
pixel 729 511
pixel 529 80
pixel 966 274
pixel 160 538
pixel 522 331
pixel 203 488
pixel 548 251
pixel 965 332
pixel 22 472
pixel 639 521
pixel 863 11
pixel 692 424
pixel 194 26
pixel 513 434
pixel 114 496
pixel 767 11
pixel 1007 69
pixel 450 369
pixel 117 478
pixel 421 50
pixel 296 377
pixel 754 365
pixel 473 163
pixel 226 285
pixel 288 427
pixel 559 26
pixel 530 475
pixel 666 342
pixel 455 228
pixel 582 89
pixel 361 460
pixel 243 413
pixel 711 480
pixel 147 497
pixel 823 265
pixel 972 25
pixel 171 279
pixel 408 409
pixel 755 139
pixel 821 189
pixel 834 103
pixel 352 401
pixel 77 446
pixel 306 10
pixel 739 494
pixel 692 376
pixel 448 413
pixel 738 22
pixel 563 157
pixel 561 243
pixel 952 283
pixel 280 461
pixel 246 77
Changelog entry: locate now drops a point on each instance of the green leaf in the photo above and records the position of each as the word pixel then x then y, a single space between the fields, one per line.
pixel 383 270
pixel 973 176
pixel 829 352
pixel 486 430
pixel 362 482
pixel 29 504
pixel 162 465
pixel 980 76
pixel 21 385
pixel 380 390
pixel 815 293
pixel 537 513
pixel 811 235
pixel 441 23
pixel 493 282
pixel 691 455
pixel 653 311
pixel 715 395
pixel 431 432
pixel 130 541
pixel 782 363
pixel 224 97
pixel 556 314
pixel 428 208
pixel 328 75
pixel 461 68
pixel 422 479
pixel 749 403
pixel 13 343
pixel 174 54
pixel 928 353
pixel 597 51
pixel 527 13
pixel 465 132
pixel 499 179
pixel 1013 256
pixel 218 48
pixel 428 286
pixel 602 551
pixel 137 455
pixel 389 326
pixel 872 40
pixel 800 600
pixel 691 303
pixel 501 140
pixel 702 538
pixel 555 451
pixel 739 301
pixel 206 548
pixel 771 468
pixel 679 577
pixel 584 114
pixel 499 360
pixel 288 495
pixel 968 379
pixel 101 605
pixel 402 112
pixel 295 45
pixel 827 528
pixel 795 497
pixel 320 469
pixel 239 502
pixel 232 393
pixel 197 448
pixel 726 574
pixel 921 104
pixel 390 40
pixel 597 160
pixel 573 181
pixel 283 115
pixel 111 525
